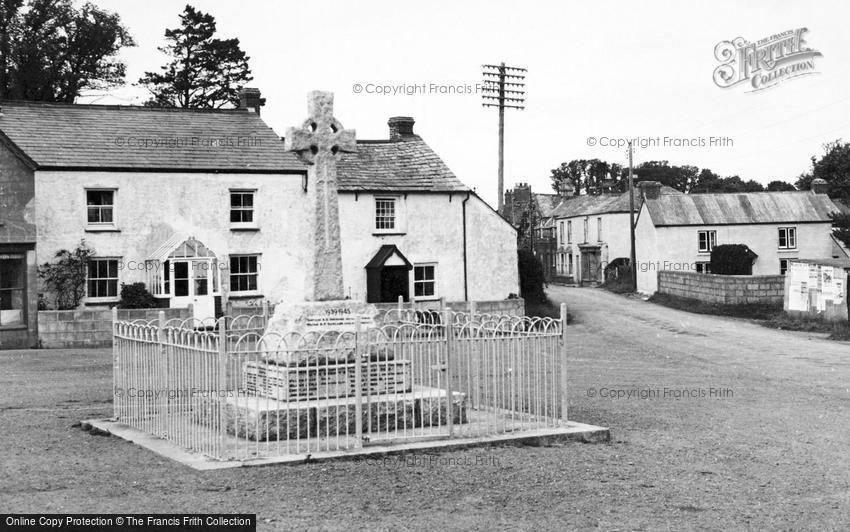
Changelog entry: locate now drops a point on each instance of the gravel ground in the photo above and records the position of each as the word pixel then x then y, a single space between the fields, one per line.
pixel 769 449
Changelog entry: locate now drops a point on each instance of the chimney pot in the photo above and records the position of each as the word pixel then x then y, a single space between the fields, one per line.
pixel 250 98
pixel 401 127
pixel 820 186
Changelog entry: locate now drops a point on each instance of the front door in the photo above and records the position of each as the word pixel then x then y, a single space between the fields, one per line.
pixel 590 267
pixel 394 282
pixel 192 285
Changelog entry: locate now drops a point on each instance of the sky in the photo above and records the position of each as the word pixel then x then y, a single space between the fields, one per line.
pixel 607 70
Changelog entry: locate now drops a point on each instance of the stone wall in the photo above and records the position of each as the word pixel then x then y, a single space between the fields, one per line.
pixel 64 329
pixel 726 289
pixel 510 307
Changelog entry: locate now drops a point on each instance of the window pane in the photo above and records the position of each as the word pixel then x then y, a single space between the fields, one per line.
pixel 11 307
pixel 243 273
pixel 235 199
pixel 11 273
pixel 385 214
pixel 99 197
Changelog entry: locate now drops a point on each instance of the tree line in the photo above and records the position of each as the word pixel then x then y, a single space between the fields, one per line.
pixel 594 176
pixel 53 51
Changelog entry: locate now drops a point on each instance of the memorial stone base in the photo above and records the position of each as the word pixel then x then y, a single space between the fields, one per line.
pixel 266 419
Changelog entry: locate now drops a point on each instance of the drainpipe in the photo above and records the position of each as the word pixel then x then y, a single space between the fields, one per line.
pixel 465 277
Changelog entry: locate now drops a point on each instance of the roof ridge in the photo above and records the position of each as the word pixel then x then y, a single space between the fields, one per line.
pixel 415 138
pixel 114 107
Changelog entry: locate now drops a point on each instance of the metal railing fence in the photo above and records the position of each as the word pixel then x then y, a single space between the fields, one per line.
pixel 230 392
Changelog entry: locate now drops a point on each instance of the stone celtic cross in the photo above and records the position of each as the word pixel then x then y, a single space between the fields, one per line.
pixel 321 141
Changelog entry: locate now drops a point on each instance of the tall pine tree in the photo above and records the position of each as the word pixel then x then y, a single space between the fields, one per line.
pixel 204 72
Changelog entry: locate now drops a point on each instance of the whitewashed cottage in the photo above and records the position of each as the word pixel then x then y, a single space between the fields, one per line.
pixel 206 206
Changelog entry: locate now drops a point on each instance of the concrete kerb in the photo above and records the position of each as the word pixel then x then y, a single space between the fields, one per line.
pixel 569 432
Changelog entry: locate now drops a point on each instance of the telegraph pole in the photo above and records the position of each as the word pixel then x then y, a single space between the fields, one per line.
pixel 503 85
pixel 633 262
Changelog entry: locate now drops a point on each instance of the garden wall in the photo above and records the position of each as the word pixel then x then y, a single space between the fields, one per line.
pixel 64 329
pixel 509 307
pixel 725 289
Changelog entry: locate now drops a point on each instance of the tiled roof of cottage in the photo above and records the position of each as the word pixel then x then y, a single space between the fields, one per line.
pixel 111 137
pixel 740 209
pixel 591 205
pixel 407 164
pixel 141 138
pixel 547 203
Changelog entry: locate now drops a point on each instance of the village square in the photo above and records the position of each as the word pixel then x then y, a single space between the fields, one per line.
pixel 249 280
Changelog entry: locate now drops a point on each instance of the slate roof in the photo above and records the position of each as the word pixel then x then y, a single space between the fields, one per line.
pixel 590 205
pixel 740 209
pixel 66 136
pixel 107 137
pixel 408 164
pixel 547 203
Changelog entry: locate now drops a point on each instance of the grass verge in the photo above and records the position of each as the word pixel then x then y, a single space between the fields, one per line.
pixel 768 315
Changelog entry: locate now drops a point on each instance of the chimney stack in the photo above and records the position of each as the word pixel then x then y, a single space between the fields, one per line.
pixel 401 127
pixel 650 189
pixel 249 98
pixel 819 186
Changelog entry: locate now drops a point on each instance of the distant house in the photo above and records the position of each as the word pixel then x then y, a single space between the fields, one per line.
pixel 678 231
pixel 520 204
pixel 593 231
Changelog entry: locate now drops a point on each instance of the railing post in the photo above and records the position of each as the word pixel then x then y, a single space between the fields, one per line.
pixel 265 314
pixel 563 357
pixel 228 314
pixel 221 393
pixel 162 366
pixel 358 381
pixel 447 324
pixel 115 360
pixel 473 307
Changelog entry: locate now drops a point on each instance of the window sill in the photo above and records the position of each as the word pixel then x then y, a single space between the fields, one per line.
pixel 426 298
pixel 102 229
pixel 100 300
pixel 235 227
pixel 787 250
pixel 18 327
pixel 244 295
pixel 389 233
